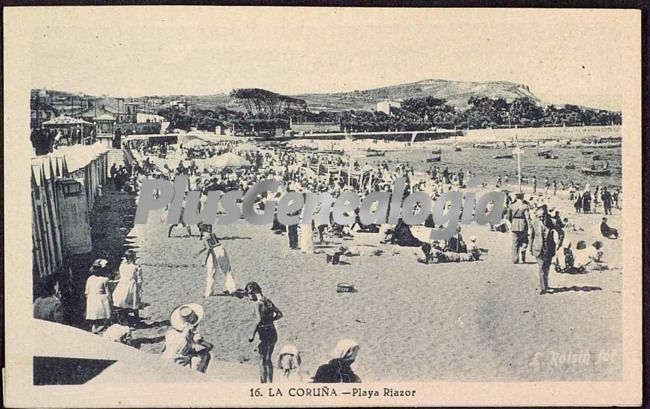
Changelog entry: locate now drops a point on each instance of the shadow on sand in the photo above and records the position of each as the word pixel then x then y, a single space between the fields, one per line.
pixel 574 288
pixel 138 342
pixel 154 324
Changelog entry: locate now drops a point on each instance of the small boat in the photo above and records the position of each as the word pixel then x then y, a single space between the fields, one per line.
pixel 436 155
pixel 375 152
pixel 551 156
pixel 596 172
pixel 333 152
pixel 587 152
pixel 505 156
pixel 544 153
pixel 484 145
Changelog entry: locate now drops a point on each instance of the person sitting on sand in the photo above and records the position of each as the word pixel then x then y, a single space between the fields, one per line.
pixel 456 243
pixel 502 227
pixel 183 344
pixel 565 259
pixel 606 231
pixel 48 305
pixel 475 251
pixel 338 369
pixel 268 313
pixel 589 257
pixel 570 226
pixel 335 258
pixel 433 254
pixel 401 235
pixel 119 333
pixel 289 362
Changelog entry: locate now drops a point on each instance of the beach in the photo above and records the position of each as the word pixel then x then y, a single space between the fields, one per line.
pixel 476 321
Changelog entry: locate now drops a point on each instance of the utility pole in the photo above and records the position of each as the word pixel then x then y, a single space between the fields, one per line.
pixel 518 151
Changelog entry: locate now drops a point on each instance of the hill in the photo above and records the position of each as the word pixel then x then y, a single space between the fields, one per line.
pixel 457 93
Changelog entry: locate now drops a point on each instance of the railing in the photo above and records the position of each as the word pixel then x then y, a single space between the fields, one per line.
pixel 129 157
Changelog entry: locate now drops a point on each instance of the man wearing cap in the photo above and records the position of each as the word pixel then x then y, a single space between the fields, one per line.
pixel 542 243
pixel 518 214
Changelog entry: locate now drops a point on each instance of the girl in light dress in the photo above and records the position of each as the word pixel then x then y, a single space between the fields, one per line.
pixel 289 362
pixel 98 304
pixel 128 292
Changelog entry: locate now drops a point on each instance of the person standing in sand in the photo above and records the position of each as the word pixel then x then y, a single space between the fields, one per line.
pixel 98 304
pixel 128 292
pixel 268 313
pixel 586 199
pixel 518 215
pixel 215 260
pixel 542 244
pixel 607 201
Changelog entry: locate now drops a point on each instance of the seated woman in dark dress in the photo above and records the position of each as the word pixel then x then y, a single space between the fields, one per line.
pixel 606 231
pixel 338 370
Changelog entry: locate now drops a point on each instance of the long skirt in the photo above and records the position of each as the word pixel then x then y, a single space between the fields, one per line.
pixel 211 271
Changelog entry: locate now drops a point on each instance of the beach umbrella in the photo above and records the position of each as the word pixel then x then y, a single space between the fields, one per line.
pixel 228 160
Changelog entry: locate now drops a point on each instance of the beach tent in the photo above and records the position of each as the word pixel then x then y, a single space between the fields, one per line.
pixel 191 143
pixel 228 160
pixel 192 138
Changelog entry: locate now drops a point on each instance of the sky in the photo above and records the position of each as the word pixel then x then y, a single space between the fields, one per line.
pixel 564 56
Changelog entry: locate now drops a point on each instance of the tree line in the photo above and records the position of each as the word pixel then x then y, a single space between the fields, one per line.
pixel 266 110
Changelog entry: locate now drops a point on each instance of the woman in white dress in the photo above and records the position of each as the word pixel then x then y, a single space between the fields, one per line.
pixel 98 305
pixel 128 292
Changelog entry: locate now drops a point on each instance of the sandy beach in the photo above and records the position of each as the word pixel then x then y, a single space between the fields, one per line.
pixel 472 321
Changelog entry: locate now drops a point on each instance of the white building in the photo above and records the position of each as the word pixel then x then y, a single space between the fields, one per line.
pixel 386 105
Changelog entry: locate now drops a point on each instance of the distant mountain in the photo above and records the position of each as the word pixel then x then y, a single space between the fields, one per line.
pixel 455 92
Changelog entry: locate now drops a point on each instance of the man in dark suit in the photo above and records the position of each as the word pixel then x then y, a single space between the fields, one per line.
pixel 519 216
pixel 542 243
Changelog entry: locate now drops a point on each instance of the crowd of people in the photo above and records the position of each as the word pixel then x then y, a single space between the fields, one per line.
pixel 113 301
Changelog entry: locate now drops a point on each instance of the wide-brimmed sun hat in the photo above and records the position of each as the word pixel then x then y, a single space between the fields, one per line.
pixel 186 314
